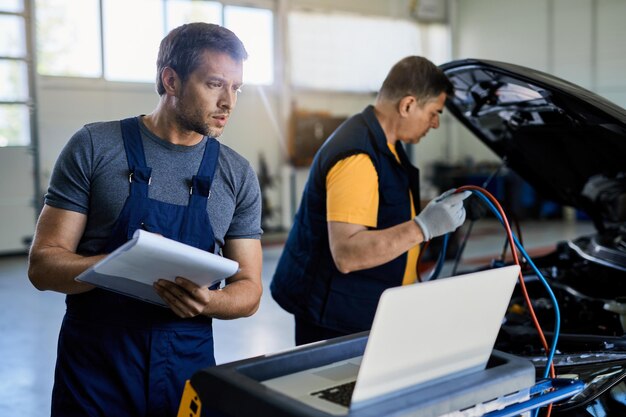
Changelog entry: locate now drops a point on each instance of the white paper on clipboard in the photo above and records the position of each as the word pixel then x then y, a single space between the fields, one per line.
pixel 148 257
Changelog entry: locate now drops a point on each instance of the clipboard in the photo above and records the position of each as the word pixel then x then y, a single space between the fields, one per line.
pixel 133 267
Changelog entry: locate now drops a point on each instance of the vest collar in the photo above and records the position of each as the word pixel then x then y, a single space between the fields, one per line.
pixel 380 140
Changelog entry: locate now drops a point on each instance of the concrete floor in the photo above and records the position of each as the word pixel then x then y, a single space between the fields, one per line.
pixel 30 320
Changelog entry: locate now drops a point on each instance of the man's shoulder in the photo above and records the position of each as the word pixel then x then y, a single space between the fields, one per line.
pixel 350 138
pixel 106 128
pixel 232 157
pixel 354 124
pixel 353 133
pixel 95 133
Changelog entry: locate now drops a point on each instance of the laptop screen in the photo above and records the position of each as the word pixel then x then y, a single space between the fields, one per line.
pixel 433 330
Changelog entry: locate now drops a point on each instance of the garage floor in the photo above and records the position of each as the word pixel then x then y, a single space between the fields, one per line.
pixel 30 320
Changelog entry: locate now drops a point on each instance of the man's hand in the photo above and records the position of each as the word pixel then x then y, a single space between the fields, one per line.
pixel 240 297
pixel 185 298
pixel 443 214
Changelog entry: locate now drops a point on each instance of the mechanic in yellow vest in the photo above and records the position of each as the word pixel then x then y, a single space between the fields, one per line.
pixel 356 232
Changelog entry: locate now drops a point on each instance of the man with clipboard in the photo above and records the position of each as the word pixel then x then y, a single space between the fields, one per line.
pixel 166 173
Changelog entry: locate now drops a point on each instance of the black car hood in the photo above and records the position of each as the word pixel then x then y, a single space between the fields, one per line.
pixel 566 142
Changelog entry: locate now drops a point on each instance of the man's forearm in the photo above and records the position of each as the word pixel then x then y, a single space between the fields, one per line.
pixel 240 298
pixel 357 249
pixel 52 262
pixel 54 269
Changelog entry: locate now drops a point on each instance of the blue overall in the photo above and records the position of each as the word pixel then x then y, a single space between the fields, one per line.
pixel 118 356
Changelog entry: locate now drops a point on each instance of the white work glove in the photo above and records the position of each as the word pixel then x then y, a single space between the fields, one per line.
pixel 443 214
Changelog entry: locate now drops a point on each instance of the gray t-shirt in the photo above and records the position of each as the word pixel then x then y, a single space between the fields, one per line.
pixel 91 177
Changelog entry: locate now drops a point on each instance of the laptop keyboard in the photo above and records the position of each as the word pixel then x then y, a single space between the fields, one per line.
pixel 339 394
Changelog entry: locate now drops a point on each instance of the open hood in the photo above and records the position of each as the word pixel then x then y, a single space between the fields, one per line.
pixel 565 141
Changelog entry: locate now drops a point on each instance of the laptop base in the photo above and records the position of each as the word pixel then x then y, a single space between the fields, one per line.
pixel 236 388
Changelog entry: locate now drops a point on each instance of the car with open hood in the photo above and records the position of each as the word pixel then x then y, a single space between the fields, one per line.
pixel 569 145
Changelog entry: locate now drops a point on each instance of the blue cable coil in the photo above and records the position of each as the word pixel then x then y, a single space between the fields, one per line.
pixel 557 312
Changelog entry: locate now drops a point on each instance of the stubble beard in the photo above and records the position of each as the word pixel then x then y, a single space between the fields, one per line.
pixel 195 123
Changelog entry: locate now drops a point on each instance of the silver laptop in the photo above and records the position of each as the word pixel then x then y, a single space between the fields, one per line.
pixel 421 334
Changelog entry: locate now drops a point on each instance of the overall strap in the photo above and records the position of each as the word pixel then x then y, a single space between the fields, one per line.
pixel 196 228
pixel 201 182
pixel 139 174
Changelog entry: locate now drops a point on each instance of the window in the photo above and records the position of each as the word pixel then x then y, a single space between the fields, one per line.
pixel 15 128
pixel 184 11
pixel 255 29
pixel 349 52
pixel 12 6
pixel 14 93
pixel 12 42
pixel 13 81
pixel 131 44
pixel 69 36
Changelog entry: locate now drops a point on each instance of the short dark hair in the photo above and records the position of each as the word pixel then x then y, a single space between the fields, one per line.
pixel 183 47
pixel 415 76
